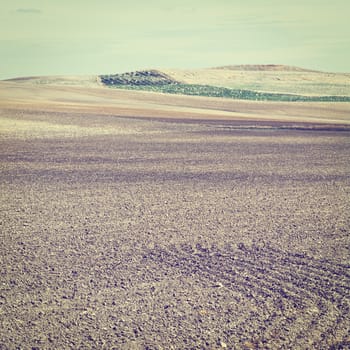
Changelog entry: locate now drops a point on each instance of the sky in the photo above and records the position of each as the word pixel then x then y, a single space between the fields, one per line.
pixel 69 37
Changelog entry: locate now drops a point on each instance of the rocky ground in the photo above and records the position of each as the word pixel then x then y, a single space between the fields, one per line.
pixel 145 234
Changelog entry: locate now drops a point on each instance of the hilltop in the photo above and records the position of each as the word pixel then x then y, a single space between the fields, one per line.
pixel 266 67
pixel 68 80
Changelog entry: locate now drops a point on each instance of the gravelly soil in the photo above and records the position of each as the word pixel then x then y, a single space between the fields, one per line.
pixel 173 235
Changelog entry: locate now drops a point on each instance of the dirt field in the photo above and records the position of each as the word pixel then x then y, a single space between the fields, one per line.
pixel 190 233
pixel 30 96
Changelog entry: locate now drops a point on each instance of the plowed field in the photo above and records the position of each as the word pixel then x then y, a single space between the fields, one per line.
pixel 129 233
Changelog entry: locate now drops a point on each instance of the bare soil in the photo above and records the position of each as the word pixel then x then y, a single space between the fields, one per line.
pixel 141 233
pixel 106 101
pixel 205 224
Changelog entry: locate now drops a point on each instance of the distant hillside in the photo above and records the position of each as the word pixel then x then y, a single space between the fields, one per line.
pixel 250 82
pixel 268 78
pixel 265 67
pixel 65 80
pixel 139 78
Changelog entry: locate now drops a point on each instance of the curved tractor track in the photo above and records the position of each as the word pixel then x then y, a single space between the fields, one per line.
pixel 311 296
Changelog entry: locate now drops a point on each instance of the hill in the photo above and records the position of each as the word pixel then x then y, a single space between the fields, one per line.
pixel 268 78
pixel 59 80
pixel 257 82
pixel 249 82
pixel 266 67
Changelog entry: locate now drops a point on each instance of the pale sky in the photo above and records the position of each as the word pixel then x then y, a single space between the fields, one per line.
pixel 49 37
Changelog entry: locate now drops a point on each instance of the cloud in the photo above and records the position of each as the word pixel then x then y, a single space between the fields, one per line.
pixel 28 11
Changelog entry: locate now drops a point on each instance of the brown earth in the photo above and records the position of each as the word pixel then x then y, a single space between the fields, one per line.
pixel 106 101
pixel 135 220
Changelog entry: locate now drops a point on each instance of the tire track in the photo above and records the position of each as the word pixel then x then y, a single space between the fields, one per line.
pixel 306 298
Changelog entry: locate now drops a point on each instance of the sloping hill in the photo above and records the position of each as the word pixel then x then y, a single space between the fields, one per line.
pixel 59 80
pixel 268 78
pixel 40 99
pixel 266 67
pixel 139 78
pixel 249 82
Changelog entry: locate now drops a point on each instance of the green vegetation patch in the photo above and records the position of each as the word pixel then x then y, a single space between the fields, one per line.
pixel 138 78
pixel 158 82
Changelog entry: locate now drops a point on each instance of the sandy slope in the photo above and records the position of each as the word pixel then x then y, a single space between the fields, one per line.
pixel 67 98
